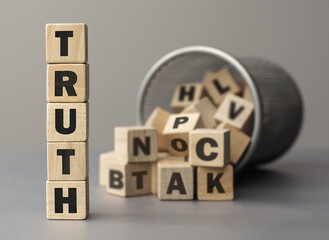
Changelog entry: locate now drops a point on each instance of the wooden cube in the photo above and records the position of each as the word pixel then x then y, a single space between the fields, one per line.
pixel 67 199
pixel 219 84
pixel 67 161
pixel 66 43
pixel 177 131
pixel 158 120
pixel 67 83
pixel 235 111
pixel 128 179
pixel 239 142
pixel 206 109
pixel 67 122
pixel 209 147
pixel 215 183
pixel 163 156
pixel 247 94
pixel 185 95
pixel 105 159
pixel 136 144
pixel 175 180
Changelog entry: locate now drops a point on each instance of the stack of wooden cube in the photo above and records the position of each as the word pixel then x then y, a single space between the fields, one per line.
pixel 67 121
pixel 197 146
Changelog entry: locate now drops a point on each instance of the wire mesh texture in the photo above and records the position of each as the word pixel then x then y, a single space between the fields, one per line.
pixel 278 104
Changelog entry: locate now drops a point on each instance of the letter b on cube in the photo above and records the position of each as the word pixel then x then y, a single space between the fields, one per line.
pixel 128 179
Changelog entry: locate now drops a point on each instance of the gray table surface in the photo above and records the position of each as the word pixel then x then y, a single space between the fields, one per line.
pixel 285 200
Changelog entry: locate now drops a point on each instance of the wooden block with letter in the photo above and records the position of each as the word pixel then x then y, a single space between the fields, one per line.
pixel 215 183
pixel 175 180
pixel 128 179
pixel 105 159
pixel 154 168
pixel 236 111
pixel 66 43
pixel 209 147
pixel 247 94
pixel 177 132
pixel 67 122
pixel 135 144
pixel 186 94
pixel 67 199
pixel 206 109
pixel 158 120
pixel 239 142
pixel 67 161
pixel 67 83
pixel 219 84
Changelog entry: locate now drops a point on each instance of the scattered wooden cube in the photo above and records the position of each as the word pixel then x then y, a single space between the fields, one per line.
pixel 105 159
pixel 67 161
pixel 163 156
pixel 206 109
pixel 247 94
pixel 136 144
pixel 215 183
pixel 67 122
pixel 66 43
pixel 175 180
pixel 209 147
pixel 239 142
pixel 67 83
pixel 67 199
pixel 186 94
pixel 177 131
pixel 219 84
pixel 128 179
pixel 158 120
pixel 236 111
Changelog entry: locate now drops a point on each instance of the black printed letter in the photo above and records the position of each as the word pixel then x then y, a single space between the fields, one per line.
pixel 176 177
pixel 214 183
pixel 200 149
pixel 59 121
pixel 139 178
pixel 146 148
pixel 183 92
pixel 175 145
pixel 65 153
pixel 219 87
pixel 68 85
pixel 115 179
pixel 64 36
pixel 180 120
pixel 60 200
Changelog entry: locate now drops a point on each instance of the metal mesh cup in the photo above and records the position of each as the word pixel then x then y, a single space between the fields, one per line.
pixel 278 105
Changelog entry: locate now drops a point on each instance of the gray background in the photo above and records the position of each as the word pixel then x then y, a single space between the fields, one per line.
pixel 125 39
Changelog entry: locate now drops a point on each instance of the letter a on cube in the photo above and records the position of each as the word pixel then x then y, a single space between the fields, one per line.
pixel 175 180
pixel 136 144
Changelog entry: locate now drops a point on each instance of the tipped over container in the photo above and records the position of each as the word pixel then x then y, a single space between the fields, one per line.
pixel 278 107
